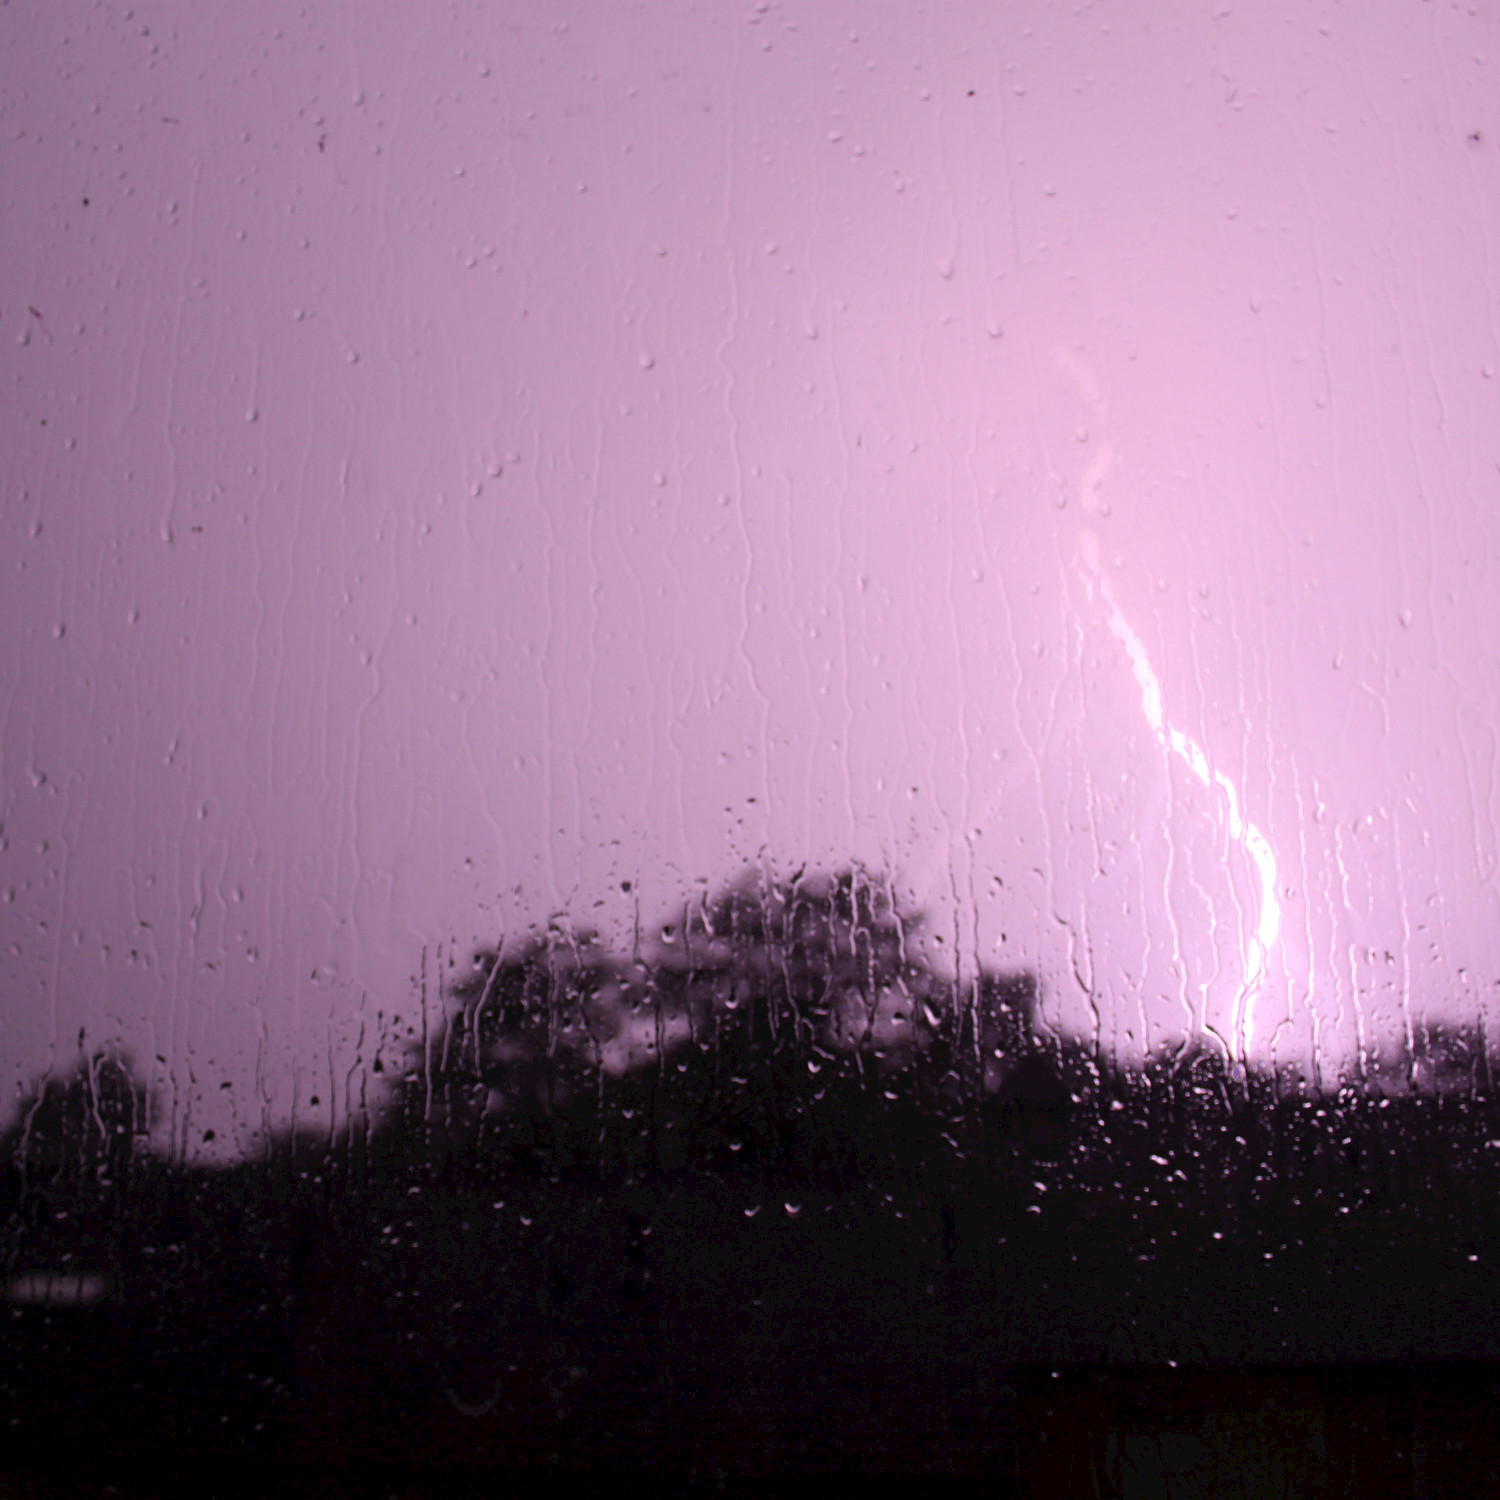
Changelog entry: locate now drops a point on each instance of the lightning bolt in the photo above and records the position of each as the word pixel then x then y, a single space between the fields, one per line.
pixel 1255 950
pixel 1256 953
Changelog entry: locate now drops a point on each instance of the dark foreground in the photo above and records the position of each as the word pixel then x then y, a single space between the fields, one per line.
pixel 950 1250
pixel 1040 1327
pixel 1420 1430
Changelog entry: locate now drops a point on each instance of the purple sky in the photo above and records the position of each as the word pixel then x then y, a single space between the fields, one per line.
pixel 458 459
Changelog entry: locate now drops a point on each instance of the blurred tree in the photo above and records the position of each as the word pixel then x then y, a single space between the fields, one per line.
pixel 1447 1058
pixel 507 1073
pixel 77 1134
pixel 794 1026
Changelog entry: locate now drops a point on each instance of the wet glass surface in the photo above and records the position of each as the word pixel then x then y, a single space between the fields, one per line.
pixel 752 739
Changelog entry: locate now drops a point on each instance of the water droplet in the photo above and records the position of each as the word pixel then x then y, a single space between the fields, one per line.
pixel 793 1209
pixel 751 1212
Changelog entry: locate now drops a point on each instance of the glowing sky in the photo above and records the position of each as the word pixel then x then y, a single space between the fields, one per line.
pixel 460 459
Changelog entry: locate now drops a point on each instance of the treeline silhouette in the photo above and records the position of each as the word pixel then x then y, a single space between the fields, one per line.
pixel 797 1028
pixel 771 1136
pixel 790 1027
pixel 794 1027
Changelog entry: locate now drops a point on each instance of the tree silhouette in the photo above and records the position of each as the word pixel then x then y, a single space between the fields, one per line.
pixel 794 1026
pixel 77 1133
pixel 66 1162
pixel 504 1076
pixel 1449 1059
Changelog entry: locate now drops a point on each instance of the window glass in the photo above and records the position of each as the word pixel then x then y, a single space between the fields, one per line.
pixel 660 659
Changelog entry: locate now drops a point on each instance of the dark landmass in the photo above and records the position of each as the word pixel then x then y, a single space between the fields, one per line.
pixel 772 1197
